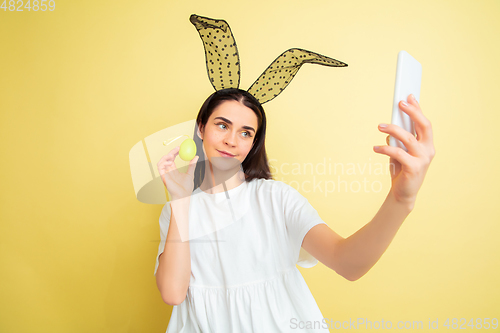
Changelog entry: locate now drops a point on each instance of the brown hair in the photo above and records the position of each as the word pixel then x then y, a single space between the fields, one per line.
pixel 256 164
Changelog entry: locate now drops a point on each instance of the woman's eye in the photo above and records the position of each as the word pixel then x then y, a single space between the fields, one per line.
pixel 248 135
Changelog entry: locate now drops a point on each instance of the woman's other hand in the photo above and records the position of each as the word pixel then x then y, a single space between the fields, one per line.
pixel 178 184
pixel 408 169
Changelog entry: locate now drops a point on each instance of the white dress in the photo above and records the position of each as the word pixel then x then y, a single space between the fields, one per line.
pixel 243 265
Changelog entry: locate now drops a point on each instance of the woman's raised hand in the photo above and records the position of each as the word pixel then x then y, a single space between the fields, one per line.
pixel 410 167
pixel 178 184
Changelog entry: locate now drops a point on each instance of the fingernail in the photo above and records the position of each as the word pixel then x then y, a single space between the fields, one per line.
pixel 404 103
pixel 376 147
pixel 382 125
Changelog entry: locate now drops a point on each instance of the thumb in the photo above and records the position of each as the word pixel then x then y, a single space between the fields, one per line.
pixel 192 165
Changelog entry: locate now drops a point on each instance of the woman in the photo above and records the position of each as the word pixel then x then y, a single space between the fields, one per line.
pixel 234 270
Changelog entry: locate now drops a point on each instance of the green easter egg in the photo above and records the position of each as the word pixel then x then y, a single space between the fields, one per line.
pixel 187 150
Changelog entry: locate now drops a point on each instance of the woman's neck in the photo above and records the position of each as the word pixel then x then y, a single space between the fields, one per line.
pixel 217 181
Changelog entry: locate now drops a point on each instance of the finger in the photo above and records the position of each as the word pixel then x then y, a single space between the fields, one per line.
pixel 170 157
pixel 396 153
pixel 405 137
pixel 192 165
pixel 413 100
pixel 173 153
pixel 394 166
pixel 429 138
pixel 167 165
pixel 423 126
pixel 170 177
pixel 387 139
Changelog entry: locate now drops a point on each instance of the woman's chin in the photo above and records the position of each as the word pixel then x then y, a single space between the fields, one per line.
pixel 225 163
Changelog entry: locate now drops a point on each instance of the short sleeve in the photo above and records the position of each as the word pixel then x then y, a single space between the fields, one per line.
pixel 164 224
pixel 300 217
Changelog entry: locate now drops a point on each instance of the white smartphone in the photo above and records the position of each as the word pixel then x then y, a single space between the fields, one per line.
pixel 408 80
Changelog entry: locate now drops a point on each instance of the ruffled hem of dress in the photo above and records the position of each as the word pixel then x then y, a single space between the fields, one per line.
pixel 260 306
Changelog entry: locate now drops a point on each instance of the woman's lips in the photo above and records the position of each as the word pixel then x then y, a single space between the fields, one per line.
pixel 224 154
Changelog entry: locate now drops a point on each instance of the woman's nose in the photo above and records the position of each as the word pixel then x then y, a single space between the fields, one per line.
pixel 230 139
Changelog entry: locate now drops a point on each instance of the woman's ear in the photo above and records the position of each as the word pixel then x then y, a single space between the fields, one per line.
pixel 200 134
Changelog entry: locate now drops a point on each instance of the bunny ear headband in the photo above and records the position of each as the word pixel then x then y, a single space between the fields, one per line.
pixel 223 61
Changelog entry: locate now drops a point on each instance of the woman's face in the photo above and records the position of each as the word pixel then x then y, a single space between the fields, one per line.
pixel 231 128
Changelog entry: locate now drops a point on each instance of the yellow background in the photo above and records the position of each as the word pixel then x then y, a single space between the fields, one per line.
pixel 79 86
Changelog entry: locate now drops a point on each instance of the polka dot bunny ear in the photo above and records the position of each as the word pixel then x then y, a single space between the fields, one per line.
pixel 221 54
pixel 223 61
pixel 283 69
